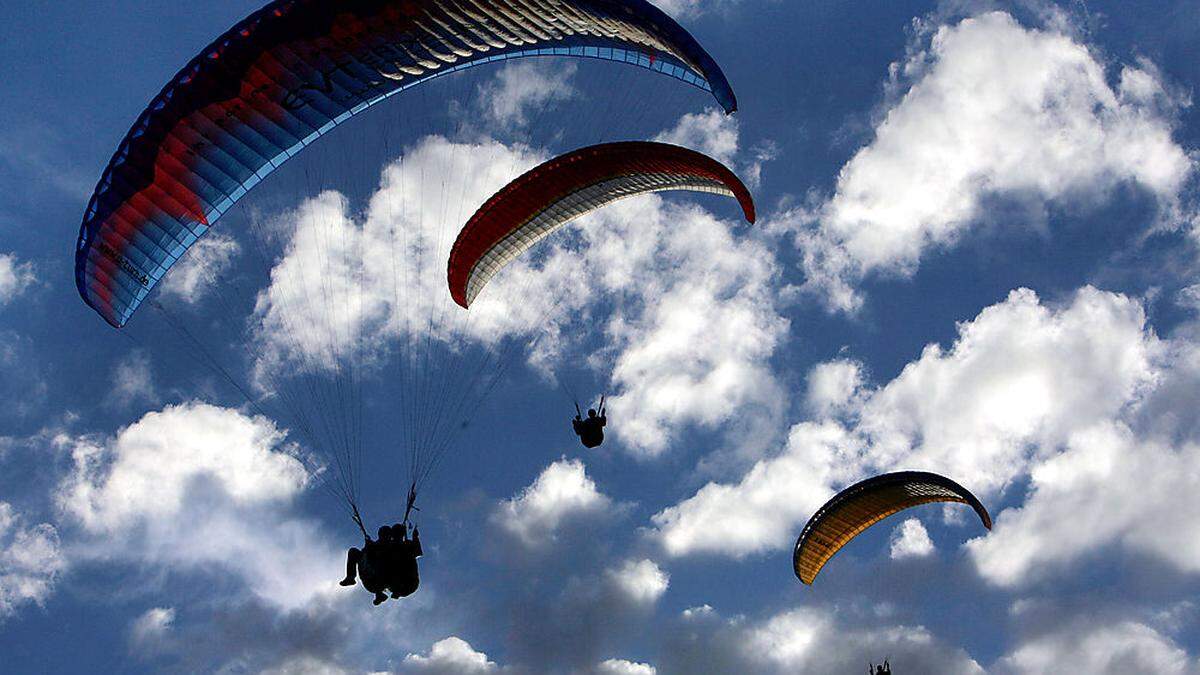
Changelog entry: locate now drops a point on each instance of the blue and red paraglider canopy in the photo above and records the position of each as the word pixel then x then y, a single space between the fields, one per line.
pixel 294 70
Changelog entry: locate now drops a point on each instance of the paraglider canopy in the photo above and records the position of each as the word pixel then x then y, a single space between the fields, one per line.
pixel 854 509
pixel 564 188
pixel 291 72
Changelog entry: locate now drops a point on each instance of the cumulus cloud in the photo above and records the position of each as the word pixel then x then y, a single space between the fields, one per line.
pixel 193 487
pixel 718 135
pixel 994 110
pixel 151 462
pixel 452 656
pixel 384 277
pixel 1019 382
pixel 1124 647
pixel 522 87
pixel 642 581
pixel 1078 403
pixel 31 560
pixel 910 540
pixel 832 387
pixel 802 641
pixel 1166 412
pixel 329 633
pixel 623 667
pixel 761 512
pixel 1104 489
pixel 561 492
pixel 712 132
pixel 578 606
pixel 572 620
pixel 1021 378
pixel 692 317
pixel 699 350
pixel 201 269
pixel 15 277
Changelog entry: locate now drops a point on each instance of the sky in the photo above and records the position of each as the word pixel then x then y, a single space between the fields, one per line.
pixel 975 254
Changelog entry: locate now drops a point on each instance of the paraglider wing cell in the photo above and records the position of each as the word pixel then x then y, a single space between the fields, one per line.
pixel 294 70
pixel 567 187
pixel 863 504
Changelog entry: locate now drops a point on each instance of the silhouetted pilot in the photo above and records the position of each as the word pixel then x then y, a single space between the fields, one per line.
pixel 591 430
pixel 883 669
pixel 404 553
pixel 387 564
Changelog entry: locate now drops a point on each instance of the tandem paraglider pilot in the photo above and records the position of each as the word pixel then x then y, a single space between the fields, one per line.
pixel 387 564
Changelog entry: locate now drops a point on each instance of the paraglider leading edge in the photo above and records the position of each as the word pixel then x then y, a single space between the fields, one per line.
pixel 915 487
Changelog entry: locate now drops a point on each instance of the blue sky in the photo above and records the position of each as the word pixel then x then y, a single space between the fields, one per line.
pixel 975 255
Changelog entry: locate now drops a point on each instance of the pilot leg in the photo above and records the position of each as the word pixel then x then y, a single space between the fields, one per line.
pixel 352 557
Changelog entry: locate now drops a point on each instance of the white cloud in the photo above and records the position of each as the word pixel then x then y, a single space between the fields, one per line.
pixel 697 321
pixel 712 132
pixel 31 560
pixel 995 109
pixel 581 605
pixel 453 656
pixel 15 277
pixel 1189 297
pixel 1021 378
pixel 561 492
pixel 688 9
pixel 1125 647
pixel 810 640
pixel 1071 398
pixel 1018 383
pixel 910 540
pixel 150 630
pixel 522 87
pixel 235 632
pixel 694 319
pixel 623 667
pixel 718 135
pixel 201 269
pixel 696 612
pixel 1106 488
pixel 133 380
pixel 833 386
pixel 151 463
pixel 345 285
pixel 680 8
pixel 762 511
pixel 153 623
pixel 642 581
pixel 789 637
pixel 195 487
pixel 1166 412
pixel 699 350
